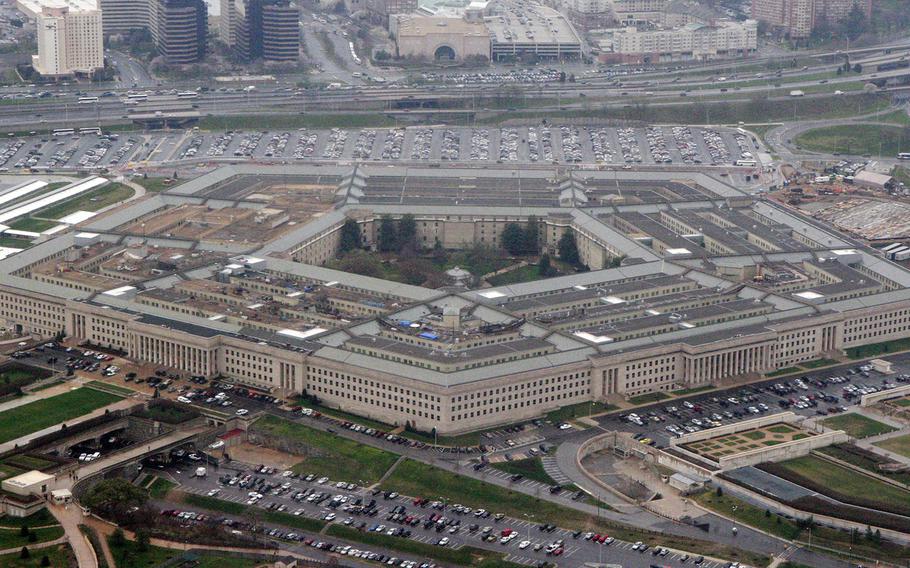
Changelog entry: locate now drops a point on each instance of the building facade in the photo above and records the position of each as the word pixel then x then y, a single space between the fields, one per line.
pixel 262 29
pixel 69 42
pixel 690 42
pixel 121 16
pixel 180 29
pixel 799 17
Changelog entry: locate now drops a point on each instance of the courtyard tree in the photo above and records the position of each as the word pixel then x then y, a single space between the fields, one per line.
pixel 350 237
pixel 407 231
pixel 568 249
pixel 388 235
pixel 513 238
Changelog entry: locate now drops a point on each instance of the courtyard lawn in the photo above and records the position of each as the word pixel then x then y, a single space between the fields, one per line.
pixel 876 349
pixel 338 458
pixel 857 425
pixel 160 487
pixel 130 555
pixel 898 445
pixel 40 414
pixel 91 201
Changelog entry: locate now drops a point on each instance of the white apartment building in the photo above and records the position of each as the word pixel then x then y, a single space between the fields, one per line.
pixel 69 42
pixel 692 41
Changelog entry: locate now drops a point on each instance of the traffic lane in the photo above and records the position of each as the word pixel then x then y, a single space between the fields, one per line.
pixel 657 430
pixel 577 549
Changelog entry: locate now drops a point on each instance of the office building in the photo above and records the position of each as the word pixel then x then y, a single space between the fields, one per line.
pixel 121 16
pixel 69 42
pixel 689 42
pixel 262 29
pixel 180 29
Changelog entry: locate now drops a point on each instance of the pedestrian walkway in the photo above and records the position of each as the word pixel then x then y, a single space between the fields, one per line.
pixel 551 466
pixel 70 517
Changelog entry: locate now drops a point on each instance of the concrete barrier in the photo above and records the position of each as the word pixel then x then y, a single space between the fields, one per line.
pixel 872 398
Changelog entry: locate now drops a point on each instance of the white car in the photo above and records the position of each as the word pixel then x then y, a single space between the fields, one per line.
pixel 524 544
pixel 443 541
pixel 183 399
pixel 565 426
pixel 213 492
pixel 242 412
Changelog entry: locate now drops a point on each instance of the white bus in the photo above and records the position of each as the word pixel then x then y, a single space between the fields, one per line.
pixel 87 100
pixel 747 163
pixel 64 132
pixel 138 97
pixel 90 130
pixel 188 95
pixel 903 156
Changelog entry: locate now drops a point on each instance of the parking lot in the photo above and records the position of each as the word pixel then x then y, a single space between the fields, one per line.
pixel 814 393
pixel 535 144
pixel 82 152
pixel 427 521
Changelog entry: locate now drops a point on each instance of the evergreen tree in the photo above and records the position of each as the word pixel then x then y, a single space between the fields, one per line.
pixel 350 237
pixel 532 236
pixel 388 235
pixel 142 540
pixel 407 231
pixel 45 561
pixel 24 554
pixel 513 238
pixel 568 248
pixel 544 268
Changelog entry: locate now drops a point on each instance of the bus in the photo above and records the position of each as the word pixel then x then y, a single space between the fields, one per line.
pixel 64 132
pixel 90 130
pixel 747 163
pixel 903 156
pixel 137 97
pixel 188 95
pixel 87 100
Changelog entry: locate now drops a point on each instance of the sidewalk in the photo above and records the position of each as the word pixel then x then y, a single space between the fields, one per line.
pixel 70 517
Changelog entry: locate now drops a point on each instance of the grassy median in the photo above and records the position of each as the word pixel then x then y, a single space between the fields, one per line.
pixel 34 416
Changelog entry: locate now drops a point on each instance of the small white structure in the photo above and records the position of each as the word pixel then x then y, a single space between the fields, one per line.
pixel 29 483
pixel 62 496
pixel 684 484
pixel 883 366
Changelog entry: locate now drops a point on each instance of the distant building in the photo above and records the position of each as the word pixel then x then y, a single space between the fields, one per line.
pixel 180 29
pixel 69 42
pixel 797 18
pixel 439 38
pixel 121 16
pixel 262 29
pixel 690 42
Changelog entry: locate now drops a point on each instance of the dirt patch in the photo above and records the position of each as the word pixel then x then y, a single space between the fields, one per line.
pixel 258 455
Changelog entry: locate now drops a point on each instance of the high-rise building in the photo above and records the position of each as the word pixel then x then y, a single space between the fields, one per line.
pixel 226 29
pixel 799 17
pixel 69 42
pixel 266 29
pixel 121 16
pixel 180 29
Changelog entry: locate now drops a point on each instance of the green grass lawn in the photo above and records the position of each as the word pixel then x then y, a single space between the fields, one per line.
pixel 648 398
pixel 90 201
pixel 857 425
pixel 285 121
pixel 847 485
pixel 531 468
pixel 116 389
pixel 239 509
pixel 862 460
pixel 816 363
pixel 130 555
pixel 686 392
pixel 155 184
pixel 42 518
pixel 784 371
pixel 899 116
pixel 527 273
pixel 876 349
pixel 40 414
pixel 14 242
pixel 578 410
pixel 32 225
pixel 59 557
pixel 160 487
pixel 10 538
pixel 787 529
pixel 864 139
pixel 338 458
pixel 419 479
pixel 223 561
pixel 898 444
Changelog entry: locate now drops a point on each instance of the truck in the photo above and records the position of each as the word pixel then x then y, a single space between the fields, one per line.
pixel 200 472
pixel 797 93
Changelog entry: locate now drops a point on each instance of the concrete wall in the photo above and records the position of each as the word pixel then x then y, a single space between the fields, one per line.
pixel 761 421
pixel 872 398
